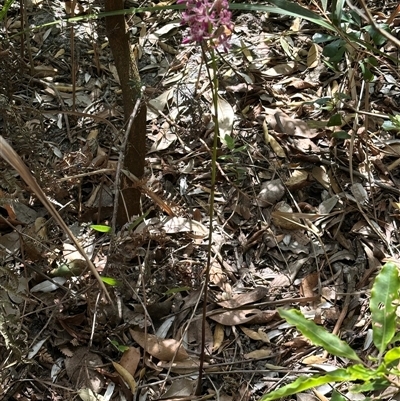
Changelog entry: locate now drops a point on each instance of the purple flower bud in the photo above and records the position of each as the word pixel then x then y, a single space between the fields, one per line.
pixel 207 21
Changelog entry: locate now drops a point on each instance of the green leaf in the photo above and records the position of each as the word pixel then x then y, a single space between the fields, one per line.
pixel 323 38
pixel 229 142
pixel 305 383
pixel 175 290
pixel 5 8
pixel 367 74
pixel 379 383
pixel 389 126
pixel 383 311
pixel 341 135
pixel 118 346
pixel 334 121
pixel 318 335
pixel 337 10
pixel 360 372
pixel 392 355
pixel 110 281
pixel 100 228
pixel 336 396
pixel 378 39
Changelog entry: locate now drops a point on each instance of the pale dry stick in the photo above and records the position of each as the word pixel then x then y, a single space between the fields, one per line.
pixel 121 159
pixel 12 158
pixel 101 171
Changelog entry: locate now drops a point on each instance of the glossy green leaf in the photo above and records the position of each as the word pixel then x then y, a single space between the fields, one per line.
pixel 335 120
pixel 336 396
pixel 383 311
pixel 337 10
pixel 305 383
pixel 318 335
pixel 379 383
pixel 100 228
pixel 118 346
pixel 361 372
pixel 392 355
pixel 110 281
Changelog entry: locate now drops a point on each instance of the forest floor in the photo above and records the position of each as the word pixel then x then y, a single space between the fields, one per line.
pixel 306 207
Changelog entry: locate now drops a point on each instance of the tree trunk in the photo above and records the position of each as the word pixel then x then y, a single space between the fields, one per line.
pixel 125 62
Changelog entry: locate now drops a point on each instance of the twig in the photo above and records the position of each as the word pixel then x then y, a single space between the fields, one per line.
pixel 12 158
pixel 121 160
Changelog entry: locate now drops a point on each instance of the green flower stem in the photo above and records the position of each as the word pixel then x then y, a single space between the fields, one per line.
pixel 214 83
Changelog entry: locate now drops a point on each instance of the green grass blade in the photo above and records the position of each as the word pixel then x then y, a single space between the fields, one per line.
pixel 318 335
pixel 383 311
pixel 5 8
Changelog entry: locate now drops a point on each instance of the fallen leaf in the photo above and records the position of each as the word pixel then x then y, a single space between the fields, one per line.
pixel 313 56
pixel 244 299
pixel 281 69
pixel 163 349
pixel 270 140
pixel 234 317
pixel 126 376
pixel 259 353
pixel 225 119
pixel 130 360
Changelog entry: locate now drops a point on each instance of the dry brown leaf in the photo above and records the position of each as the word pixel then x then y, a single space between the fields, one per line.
pixel 264 317
pixel 313 56
pixel 298 180
pixel 250 333
pixel 234 317
pixel 130 360
pixel 320 175
pixel 270 193
pixel 281 69
pixel 313 359
pixel 286 222
pixel 163 349
pixel 259 353
pixel 126 376
pixel 263 335
pixel 270 140
pixel 308 284
pixel 81 371
pixel 244 299
pixel 180 388
pixel 209 339
pixel 219 334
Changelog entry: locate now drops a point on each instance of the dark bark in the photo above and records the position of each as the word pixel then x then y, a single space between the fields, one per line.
pixel 125 62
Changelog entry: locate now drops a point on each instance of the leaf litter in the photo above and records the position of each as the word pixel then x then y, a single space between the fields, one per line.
pixel 306 186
